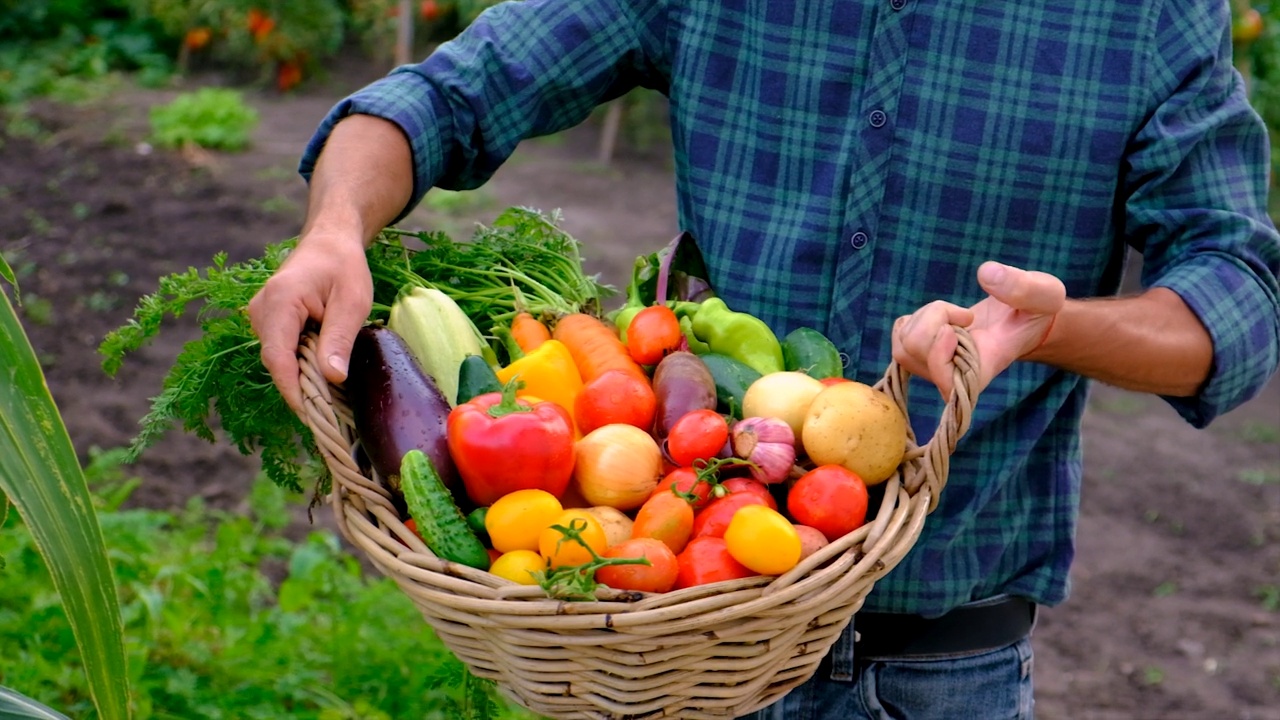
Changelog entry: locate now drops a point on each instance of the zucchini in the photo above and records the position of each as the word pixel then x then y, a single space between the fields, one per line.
pixel 476 377
pixel 732 378
pixel 808 351
pixel 439 334
pixel 440 523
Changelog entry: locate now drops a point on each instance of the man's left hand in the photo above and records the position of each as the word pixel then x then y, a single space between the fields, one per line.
pixel 1014 319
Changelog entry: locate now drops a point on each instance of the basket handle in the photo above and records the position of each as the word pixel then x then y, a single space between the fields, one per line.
pixel 935 455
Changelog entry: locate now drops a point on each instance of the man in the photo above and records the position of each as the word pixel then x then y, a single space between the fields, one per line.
pixel 883 170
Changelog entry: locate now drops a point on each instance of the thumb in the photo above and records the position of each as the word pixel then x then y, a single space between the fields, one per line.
pixel 337 335
pixel 1029 291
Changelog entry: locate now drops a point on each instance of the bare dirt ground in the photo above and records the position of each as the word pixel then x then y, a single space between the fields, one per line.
pixel 1174 612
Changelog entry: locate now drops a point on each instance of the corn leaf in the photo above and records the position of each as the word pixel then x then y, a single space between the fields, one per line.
pixel 41 475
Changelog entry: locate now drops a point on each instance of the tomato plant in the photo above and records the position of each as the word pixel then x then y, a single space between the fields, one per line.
pixel 693 486
pixel 697 435
pixel 559 550
pixel 658 576
pixel 653 332
pixel 829 498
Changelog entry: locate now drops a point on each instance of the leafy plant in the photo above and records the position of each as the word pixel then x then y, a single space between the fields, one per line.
pixel 215 118
pixel 228 618
pixel 40 474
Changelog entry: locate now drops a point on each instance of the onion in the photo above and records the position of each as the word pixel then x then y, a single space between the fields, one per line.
pixel 617 465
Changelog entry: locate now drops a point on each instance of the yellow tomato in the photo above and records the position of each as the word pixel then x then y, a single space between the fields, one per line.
pixel 515 520
pixel 518 566
pixel 763 540
pixel 571 552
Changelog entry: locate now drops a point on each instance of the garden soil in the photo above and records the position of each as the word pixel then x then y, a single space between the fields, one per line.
pixel 1173 612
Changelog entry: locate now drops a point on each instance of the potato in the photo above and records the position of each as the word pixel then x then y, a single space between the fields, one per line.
pixel 811 540
pixel 857 426
pixel 617 526
pixel 783 395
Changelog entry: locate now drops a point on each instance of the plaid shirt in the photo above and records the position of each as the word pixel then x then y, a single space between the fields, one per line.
pixel 844 162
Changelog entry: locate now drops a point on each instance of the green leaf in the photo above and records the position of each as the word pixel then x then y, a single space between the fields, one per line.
pixel 16 706
pixel 41 475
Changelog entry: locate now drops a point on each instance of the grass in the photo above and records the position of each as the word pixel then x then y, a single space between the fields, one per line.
pixel 226 617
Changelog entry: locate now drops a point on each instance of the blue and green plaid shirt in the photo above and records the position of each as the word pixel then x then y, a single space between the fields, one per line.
pixel 844 162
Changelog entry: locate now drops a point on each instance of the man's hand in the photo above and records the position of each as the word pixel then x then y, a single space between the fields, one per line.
pixel 325 279
pixel 1011 322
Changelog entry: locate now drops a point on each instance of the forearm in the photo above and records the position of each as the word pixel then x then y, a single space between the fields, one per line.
pixel 362 180
pixel 1147 343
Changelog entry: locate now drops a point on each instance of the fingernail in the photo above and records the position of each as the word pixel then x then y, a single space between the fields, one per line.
pixel 337 363
pixel 992 273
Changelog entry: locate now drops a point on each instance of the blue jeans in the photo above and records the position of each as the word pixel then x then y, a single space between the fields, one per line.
pixel 991 685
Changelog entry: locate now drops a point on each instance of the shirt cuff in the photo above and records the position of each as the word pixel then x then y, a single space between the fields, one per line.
pixel 399 98
pixel 1242 318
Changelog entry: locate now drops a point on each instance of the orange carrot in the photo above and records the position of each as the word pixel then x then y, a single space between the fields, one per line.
pixel 528 331
pixel 594 346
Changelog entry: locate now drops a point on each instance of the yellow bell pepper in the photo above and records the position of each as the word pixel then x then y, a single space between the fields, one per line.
pixel 547 373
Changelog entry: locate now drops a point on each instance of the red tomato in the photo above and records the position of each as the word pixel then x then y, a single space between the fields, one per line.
pixel 658 576
pixel 429 10
pixel 666 517
pixel 749 485
pixel 685 481
pixel 829 498
pixel 707 560
pixel 653 333
pixel 714 518
pixel 615 396
pixel 697 435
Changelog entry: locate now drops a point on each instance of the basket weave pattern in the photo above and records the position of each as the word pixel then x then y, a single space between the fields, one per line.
pixel 714 651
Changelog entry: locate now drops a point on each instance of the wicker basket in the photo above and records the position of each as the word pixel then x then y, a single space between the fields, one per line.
pixel 714 651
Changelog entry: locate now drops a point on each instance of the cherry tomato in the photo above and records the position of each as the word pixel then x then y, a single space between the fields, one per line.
pixel 518 566
pixel 429 10
pixel 1248 27
pixel 653 332
pixel 570 552
pixel 516 520
pixel 685 481
pixel 707 560
pixel 715 517
pixel 749 485
pixel 666 517
pixel 697 435
pixel 829 498
pixel 658 576
pixel 615 396
pixel 763 540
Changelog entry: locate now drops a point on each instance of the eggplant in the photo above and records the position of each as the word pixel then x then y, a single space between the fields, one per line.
pixel 682 383
pixel 397 407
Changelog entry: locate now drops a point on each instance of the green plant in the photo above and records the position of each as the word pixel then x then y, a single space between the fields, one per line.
pixel 215 118
pixel 40 474
pixel 228 618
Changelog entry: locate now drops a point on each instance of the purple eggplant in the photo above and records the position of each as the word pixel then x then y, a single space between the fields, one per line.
pixel 682 383
pixel 397 407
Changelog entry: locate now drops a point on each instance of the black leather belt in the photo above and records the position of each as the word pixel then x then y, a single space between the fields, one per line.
pixel 970 628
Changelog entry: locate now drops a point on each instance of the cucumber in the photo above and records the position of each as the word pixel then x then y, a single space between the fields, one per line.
pixel 810 352
pixel 476 377
pixel 440 523
pixel 732 378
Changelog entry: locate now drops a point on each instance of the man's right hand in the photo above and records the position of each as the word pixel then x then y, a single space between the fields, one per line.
pixel 326 279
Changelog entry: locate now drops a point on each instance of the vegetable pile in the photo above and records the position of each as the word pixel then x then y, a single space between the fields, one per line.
pixel 520 429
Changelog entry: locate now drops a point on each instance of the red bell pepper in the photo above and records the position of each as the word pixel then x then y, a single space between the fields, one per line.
pixel 501 444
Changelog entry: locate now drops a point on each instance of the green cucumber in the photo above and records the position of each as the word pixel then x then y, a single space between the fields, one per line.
pixel 440 523
pixel 732 378
pixel 810 352
pixel 476 377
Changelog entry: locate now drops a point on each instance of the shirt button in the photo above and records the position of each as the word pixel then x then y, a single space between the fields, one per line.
pixel 897 4
pixel 858 240
pixel 877 118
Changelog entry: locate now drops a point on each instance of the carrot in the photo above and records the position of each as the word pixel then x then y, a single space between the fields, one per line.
pixel 594 346
pixel 528 331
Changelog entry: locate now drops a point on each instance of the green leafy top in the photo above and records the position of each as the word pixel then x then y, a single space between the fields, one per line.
pixel 524 260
